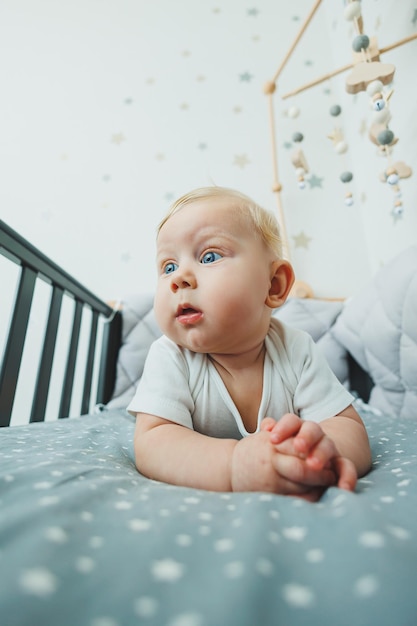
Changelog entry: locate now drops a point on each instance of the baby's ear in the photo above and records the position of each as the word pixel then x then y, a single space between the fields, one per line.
pixel 282 280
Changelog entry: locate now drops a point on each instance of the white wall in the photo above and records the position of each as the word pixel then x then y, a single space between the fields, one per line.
pixel 112 108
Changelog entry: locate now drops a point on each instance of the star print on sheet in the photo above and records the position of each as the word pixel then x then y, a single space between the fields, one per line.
pixel 246 77
pixel 314 181
pixel 301 240
pixel 241 160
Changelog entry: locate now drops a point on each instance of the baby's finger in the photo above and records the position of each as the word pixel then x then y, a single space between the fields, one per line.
pixel 287 426
pixel 346 472
pixel 267 424
pixel 324 452
pixel 297 471
pixel 308 437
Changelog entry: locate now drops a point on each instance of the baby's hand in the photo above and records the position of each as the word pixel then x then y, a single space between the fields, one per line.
pixel 306 439
pixel 256 466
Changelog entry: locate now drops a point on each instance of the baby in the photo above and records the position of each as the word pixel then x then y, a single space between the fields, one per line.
pixel 231 399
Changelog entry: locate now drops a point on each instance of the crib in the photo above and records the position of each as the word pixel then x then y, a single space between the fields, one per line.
pixel 85 539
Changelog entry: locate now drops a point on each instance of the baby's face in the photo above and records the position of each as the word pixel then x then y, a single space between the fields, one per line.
pixel 214 276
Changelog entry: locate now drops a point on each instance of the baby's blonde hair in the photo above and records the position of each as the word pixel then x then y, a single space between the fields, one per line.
pixel 264 222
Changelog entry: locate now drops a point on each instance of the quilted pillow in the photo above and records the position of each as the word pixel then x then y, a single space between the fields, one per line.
pixel 379 328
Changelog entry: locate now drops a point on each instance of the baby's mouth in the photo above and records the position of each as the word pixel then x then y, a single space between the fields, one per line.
pixel 188 315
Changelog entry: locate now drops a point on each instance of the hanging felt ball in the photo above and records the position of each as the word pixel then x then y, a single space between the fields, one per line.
pixel 374 87
pixel 301 184
pixel 352 11
pixel 335 110
pixel 297 137
pixel 361 42
pixel 341 147
pixel 300 171
pixel 346 177
pixel 293 112
pixel 385 137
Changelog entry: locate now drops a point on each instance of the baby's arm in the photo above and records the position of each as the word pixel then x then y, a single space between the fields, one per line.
pixel 178 455
pixel 340 442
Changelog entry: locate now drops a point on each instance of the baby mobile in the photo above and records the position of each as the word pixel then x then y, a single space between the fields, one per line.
pixel 367 74
pixel 371 75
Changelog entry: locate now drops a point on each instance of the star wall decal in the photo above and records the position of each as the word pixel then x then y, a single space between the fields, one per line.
pixel 253 12
pixel 301 240
pixel 241 160
pixel 314 181
pixel 160 156
pixel 118 138
pixel 184 106
pixel 414 20
pixel 246 77
pixel 237 109
pixel 202 146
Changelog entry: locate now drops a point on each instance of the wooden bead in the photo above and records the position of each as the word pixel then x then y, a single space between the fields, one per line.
pixel 269 87
pixel 276 187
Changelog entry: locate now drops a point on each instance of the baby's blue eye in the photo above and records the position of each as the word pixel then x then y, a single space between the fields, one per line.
pixel 170 267
pixel 210 257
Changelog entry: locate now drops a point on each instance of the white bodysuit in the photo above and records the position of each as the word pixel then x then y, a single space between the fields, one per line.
pixel 185 387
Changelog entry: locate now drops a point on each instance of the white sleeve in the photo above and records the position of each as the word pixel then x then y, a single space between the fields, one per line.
pixel 163 389
pixel 318 394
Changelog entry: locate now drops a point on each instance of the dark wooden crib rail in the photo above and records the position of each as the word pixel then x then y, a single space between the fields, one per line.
pixel 34 266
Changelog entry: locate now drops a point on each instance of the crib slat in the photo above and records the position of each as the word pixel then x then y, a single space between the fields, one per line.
pixel 45 365
pixel 88 376
pixel 64 407
pixel 15 344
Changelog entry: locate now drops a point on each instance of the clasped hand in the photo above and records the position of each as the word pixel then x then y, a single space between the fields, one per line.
pixel 290 457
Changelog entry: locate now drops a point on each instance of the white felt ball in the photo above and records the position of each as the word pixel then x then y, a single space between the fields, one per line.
pixel 374 87
pixel 293 112
pixel 352 10
pixel 300 171
pixel 393 179
pixel 301 184
pixel 349 200
pixel 341 147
